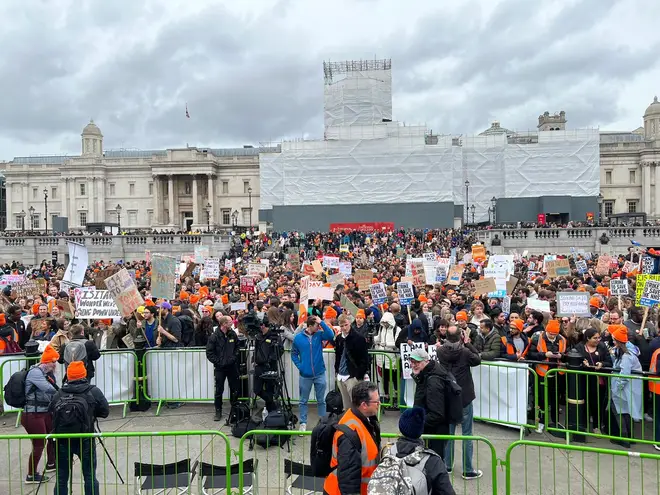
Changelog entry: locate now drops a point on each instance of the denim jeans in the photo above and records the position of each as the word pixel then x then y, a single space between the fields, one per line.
pixel 320 385
pixel 85 449
pixel 466 430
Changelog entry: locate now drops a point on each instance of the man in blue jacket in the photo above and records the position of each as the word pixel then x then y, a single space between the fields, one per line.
pixel 307 355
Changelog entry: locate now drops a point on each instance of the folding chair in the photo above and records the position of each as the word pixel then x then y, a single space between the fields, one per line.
pixel 163 477
pixel 213 479
pixel 305 478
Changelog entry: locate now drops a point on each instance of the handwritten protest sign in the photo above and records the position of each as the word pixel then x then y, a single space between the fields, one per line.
pixel 212 268
pixel 558 268
pixel 406 349
pixel 27 288
pixel 345 268
pixel 603 266
pixel 247 285
pixel 124 292
pixel 640 283
pixel 484 286
pixel 99 281
pixel 648 265
pixel 95 304
pixel 363 278
pixel 331 262
pixel 163 276
pixel 257 269
pixel 455 275
pixel 573 303
pixel 619 287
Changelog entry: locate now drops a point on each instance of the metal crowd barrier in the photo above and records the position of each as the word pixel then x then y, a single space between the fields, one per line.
pixel 541 468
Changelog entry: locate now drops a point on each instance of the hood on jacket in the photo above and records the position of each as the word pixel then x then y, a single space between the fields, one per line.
pixel 388 318
pixel 416 325
pixel 450 352
pixel 406 446
pixel 76 386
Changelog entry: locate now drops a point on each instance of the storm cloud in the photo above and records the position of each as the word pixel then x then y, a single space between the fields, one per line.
pixel 251 71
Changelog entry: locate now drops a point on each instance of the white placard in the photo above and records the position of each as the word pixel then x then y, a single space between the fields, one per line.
pixel 95 304
pixel 619 287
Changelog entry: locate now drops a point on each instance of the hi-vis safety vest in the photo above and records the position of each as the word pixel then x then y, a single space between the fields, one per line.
pixel 369 455
pixel 542 346
pixel 511 349
pixel 654 385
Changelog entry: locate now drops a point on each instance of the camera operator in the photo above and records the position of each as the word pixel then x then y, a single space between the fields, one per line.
pixel 267 350
pixel 222 351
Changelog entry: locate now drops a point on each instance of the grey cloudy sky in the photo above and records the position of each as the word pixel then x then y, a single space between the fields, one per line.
pixel 251 70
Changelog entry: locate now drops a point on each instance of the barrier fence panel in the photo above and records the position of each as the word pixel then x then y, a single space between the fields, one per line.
pixel 579 404
pixel 543 468
pixel 124 461
pixel 284 466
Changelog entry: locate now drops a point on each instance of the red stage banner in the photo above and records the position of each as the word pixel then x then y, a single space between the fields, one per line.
pixel 362 226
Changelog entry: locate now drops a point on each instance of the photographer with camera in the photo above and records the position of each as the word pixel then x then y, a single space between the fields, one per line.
pixel 267 351
pixel 222 351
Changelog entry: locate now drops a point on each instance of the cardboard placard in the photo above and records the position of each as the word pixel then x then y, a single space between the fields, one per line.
pixel 247 285
pixel 573 303
pixel 558 268
pixel 124 292
pixel 26 288
pixel 95 304
pixel 99 281
pixel 68 311
pixel 363 279
pixel 484 286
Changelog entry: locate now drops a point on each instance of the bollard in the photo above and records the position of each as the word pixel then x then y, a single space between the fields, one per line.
pixel 32 353
pixel 576 393
pixel 140 388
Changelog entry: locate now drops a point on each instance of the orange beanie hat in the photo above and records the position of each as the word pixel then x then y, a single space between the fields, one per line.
pixel 35 309
pixel 461 316
pixel 552 327
pixel 194 299
pixel 594 302
pixel 360 314
pixel 618 332
pixel 374 280
pixel 204 290
pixel 3 320
pixel 49 355
pixel 76 371
pixel 183 295
pixel 518 324
pixel 423 298
pixel 225 299
pixel 329 313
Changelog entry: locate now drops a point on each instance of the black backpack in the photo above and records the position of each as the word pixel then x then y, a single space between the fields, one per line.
pixel 276 420
pixel 453 399
pixel 15 389
pixel 72 413
pixel 238 412
pixel 240 428
pixel 321 445
pixel 333 402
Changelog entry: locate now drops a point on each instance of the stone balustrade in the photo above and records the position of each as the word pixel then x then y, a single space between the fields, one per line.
pixel 32 250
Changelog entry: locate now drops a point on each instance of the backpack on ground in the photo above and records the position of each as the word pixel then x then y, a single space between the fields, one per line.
pixel 453 399
pixel 400 475
pixel 241 427
pixel 73 414
pixel 276 420
pixel 238 412
pixel 75 350
pixel 14 392
pixel 321 444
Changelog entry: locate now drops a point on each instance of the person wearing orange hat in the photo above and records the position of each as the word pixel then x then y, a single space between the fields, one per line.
pixel 548 346
pixel 67 420
pixel 516 343
pixel 38 331
pixel 36 418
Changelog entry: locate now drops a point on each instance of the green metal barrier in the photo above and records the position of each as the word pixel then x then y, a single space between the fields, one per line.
pixel 189 455
pixel 542 468
pixel 278 468
pixel 579 404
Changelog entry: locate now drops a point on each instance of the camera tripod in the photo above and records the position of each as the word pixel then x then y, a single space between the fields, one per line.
pixel 281 394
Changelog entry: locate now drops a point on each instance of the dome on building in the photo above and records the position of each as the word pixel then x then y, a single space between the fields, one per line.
pixel 653 108
pixel 91 129
pixel 495 128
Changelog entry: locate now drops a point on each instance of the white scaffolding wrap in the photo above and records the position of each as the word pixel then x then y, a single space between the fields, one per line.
pixel 390 163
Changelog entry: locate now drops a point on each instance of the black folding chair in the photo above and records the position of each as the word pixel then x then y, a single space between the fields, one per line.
pixel 162 477
pixel 305 478
pixel 213 479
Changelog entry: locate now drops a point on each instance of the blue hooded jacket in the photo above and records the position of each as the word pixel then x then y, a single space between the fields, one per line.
pixel 307 351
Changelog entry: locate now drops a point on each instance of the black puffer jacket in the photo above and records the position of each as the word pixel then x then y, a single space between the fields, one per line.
pixel 98 404
pixel 437 477
pixel 430 395
pixel 357 357
pixel 458 359
pixel 221 349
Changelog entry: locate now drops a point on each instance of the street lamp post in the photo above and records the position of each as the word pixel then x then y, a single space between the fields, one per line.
pixel 250 204
pixel 600 207
pixel 472 208
pixel 21 215
pixel 31 210
pixel 207 208
pixel 493 201
pixel 46 209
pixel 234 219
pixel 467 201
pixel 118 210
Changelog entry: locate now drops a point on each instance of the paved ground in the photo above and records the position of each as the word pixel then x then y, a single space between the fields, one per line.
pixel 534 471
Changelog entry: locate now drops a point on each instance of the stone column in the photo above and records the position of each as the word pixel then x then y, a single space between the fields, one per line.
pixel 26 206
pixel 211 198
pixel 100 200
pixel 72 202
pixel 195 203
pixel 90 202
pixel 157 206
pixel 11 222
pixel 64 194
pixel 646 188
pixel 656 191
pixel 170 197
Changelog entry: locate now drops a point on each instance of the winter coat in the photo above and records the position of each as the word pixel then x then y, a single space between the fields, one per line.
pixel 438 480
pixel 385 340
pixel 221 349
pixel 307 351
pixel 357 358
pixel 490 346
pixel 458 359
pixel 627 393
pixel 430 395
pixel 99 407
pixel 39 390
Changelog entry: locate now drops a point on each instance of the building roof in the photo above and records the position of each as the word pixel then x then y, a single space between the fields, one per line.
pixel 495 128
pixel 91 129
pixel 653 108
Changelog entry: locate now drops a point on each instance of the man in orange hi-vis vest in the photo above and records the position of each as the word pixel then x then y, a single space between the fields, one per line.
pixel 654 387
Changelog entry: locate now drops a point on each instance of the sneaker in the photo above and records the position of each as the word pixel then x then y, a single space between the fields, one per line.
pixel 473 475
pixel 656 447
pixel 36 478
pixel 648 418
pixel 303 427
pixel 218 416
pixel 50 468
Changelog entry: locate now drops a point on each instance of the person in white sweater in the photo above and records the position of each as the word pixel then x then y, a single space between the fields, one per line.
pixel 385 341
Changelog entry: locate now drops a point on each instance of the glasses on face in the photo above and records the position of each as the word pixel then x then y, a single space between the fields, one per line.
pixel 564 321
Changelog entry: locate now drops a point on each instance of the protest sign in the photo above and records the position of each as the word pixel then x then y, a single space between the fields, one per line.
pixel 263 285
pixel 484 286
pixel 511 284
pixel 400 252
pixel 29 288
pixel 317 267
pixel 558 268
pixel 78 262
pixel 247 285
pixel 201 253
pixel 229 264
pixel 99 281
pixel 256 269
pixel 619 287
pixel 363 278
pixel 345 268
pixel 163 276
pixel 639 285
pixel 95 304
pixel 378 294
pixel 123 290
pixel 331 262
pixel 648 264
pixel 538 305
pixel 581 266
pixel 188 272
pixel 506 305
pixel 418 273
pixel 603 266
pixel 406 349
pixel 318 291
pixel 343 248
pixel 455 275
pixel 628 267
pixel 293 261
pixel 573 303
pixel 212 268
pixel 348 305
pixel 239 306
pixel 336 279
pixel 429 257
pixel 406 293
pixel 650 294
pixel 67 308
pixel 11 280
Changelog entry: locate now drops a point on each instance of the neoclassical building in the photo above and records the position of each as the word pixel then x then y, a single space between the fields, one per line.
pixel 173 188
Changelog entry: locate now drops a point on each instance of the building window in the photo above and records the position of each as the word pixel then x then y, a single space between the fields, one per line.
pixel 151 188
pixel 226 217
pixel 111 189
pixel 150 217
pixel 631 176
pixel 35 221
pixel 131 189
pixel 632 206
pixel 83 218
pixel 246 216
pixel 608 177
pixel 132 218
pixel 608 208
pixel 225 187
pixel 246 186
pixel 35 192
pixel 83 192
pixel 53 217
pixel 53 193
pixel 19 222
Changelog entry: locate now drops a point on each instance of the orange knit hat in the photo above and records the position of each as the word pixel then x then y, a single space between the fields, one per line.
pixel 518 324
pixel 423 298
pixel 76 371
pixel 35 309
pixel 594 302
pixel 49 355
pixel 183 295
pixel 3 320
pixel 461 315
pixel 618 332
pixel 360 314
pixel 330 313
pixel 194 299
pixel 552 327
